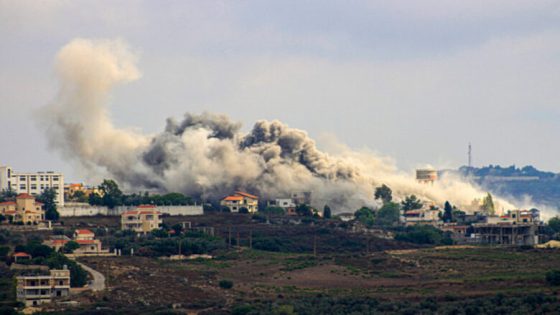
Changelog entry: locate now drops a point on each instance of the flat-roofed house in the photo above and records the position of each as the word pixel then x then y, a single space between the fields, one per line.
pixel 38 289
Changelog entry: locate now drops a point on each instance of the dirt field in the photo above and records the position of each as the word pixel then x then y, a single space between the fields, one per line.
pixel 150 284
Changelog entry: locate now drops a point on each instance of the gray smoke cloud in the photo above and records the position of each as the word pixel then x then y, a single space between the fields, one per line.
pixel 207 155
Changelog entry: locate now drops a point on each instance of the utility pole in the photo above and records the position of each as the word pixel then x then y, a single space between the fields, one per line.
pixel 251 239
pixel 315 245
pixel 470 155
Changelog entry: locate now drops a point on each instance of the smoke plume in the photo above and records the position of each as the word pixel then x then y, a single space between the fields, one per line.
pixel 206 155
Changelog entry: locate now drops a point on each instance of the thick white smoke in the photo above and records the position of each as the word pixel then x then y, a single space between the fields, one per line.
pixel 206 155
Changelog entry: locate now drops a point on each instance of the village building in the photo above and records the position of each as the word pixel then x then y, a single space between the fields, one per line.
pixel 20 257
pixel 35 290
pixel 88 243
pixel 72 188
pixel 85 238
pixel 143 220
pixel 287 204
pixel 516 227
pixel 425 216
pixel 33 183
pixel 24 209
pixel 241 200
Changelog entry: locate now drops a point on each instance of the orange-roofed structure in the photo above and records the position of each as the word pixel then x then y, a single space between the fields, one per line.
pixel 241 200
pixel 24 209
pixel 21 256
pixel 143 220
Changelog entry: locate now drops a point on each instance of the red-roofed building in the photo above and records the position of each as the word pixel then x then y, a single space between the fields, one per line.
pixel 24 209
pixel 21 256
pixel 241 200
pixel 142 220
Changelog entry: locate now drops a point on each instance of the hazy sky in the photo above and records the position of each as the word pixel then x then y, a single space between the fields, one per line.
pixel 414 80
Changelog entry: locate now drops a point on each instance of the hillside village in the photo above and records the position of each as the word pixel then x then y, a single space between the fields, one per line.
pixel 105 224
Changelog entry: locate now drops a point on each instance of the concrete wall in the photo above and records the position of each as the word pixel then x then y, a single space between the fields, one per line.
pixel 75 209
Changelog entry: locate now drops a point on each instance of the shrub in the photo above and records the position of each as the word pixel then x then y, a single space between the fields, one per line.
pixel 226 284
pixel 242 309
pixel 421 234
pixel 553 277
pixel 70 247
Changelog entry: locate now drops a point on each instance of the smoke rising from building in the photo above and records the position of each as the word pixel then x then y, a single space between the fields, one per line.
pixel 206 155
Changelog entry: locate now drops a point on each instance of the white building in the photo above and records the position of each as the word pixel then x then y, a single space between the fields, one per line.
pixel 32 183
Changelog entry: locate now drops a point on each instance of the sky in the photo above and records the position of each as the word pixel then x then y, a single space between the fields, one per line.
pixel 415 81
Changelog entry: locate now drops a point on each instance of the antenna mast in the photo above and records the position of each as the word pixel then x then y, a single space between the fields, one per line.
pixel 470 155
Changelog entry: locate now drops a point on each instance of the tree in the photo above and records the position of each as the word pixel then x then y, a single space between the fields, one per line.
pixel 411 203
pixel 112 195
pixel 70 247
pixel 488 205
pixel 553 277
pixel 384 193
pixel 554 224
pixel 447 212
pixel 79 196
pixel 420 234
pixel 243 210
pixel 95 199
pixel 48 197
pixel 389 214
pixel 327 212
pixel 274 210
pixel 365 215
pixel 304 210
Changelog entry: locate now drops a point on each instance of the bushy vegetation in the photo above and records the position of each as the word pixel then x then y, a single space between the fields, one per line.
pixel 162 243
pixel 424 234
pixel 44 255
pixel 320 304
pixel 226 284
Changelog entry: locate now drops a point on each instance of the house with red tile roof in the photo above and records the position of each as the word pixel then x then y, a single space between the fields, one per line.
pixel 24 209
pixel 240 200
pixel 21 256
pixel 142 220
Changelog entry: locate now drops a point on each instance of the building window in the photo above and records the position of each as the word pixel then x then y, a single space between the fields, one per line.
pixel 33 186
pixel 22 186
pixel 55 178
pixel 22 178
pixel 33 178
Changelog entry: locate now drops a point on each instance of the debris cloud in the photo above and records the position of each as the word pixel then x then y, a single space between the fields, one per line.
pixel 206 155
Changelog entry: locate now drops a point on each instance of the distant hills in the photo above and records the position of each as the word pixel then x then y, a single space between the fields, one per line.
pixel 543 187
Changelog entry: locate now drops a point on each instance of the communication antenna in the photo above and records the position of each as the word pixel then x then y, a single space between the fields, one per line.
pixel 470 155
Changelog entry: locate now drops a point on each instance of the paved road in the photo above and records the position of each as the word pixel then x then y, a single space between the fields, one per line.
pixel 98 282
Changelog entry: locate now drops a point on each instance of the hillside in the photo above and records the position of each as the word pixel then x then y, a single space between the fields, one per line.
pixel 543 187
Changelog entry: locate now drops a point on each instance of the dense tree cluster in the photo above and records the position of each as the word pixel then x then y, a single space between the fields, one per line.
pixel 111 196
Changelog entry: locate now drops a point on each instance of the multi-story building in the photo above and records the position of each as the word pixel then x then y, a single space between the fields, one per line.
pixel 142 220
pixel 25 209
pixel 241 200
pixel 32 183
pixel 39 289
